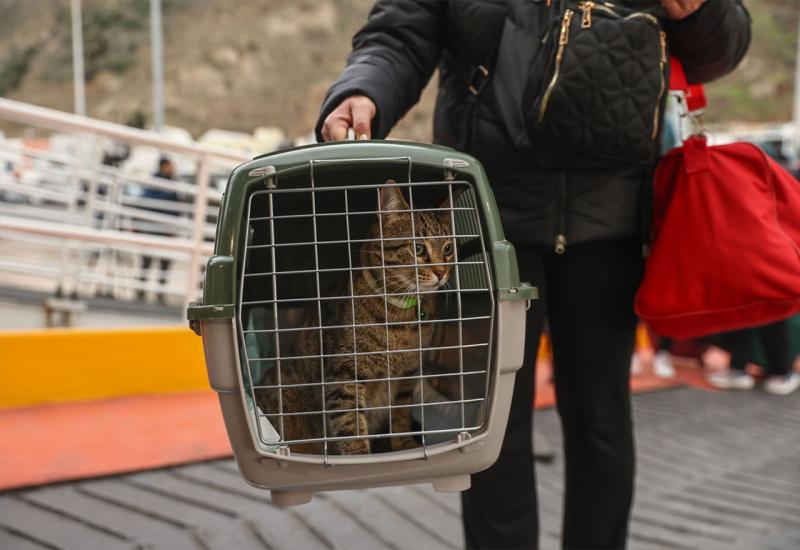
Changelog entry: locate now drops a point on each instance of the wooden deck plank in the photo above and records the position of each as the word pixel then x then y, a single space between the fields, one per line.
pixel 13 539
pixel 343 529
pixel 452 501
pixel 397 527
pixel 278 527
pixel 438 526
pixel 202 524
pixel 709 475
pixel 54 529
pixel 136 527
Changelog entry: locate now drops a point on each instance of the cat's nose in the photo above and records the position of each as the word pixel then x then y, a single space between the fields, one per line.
pixel 439 271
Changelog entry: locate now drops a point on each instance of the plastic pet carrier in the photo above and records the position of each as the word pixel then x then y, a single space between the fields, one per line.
pixel 362 318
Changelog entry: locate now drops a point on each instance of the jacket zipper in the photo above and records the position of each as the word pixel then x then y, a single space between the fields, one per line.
pixel 662 69
pixel 587 7
pixel 563 40
pixel 561 214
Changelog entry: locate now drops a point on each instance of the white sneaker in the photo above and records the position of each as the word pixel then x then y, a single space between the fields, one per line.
pixel 782 385
pixel 662 365
pixel 731 380
pixel 636 365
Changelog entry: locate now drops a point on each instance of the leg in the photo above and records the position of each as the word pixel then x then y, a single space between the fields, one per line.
pixel 347 423
pixel 499 510
pixel 147 261
pixel 781 378
pixel 740 345
pixel 775 338
pixel 662 361
pixel 590 303
pixel 403 393
pixel 163 275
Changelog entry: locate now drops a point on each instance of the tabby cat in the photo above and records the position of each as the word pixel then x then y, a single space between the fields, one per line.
pixel 347 377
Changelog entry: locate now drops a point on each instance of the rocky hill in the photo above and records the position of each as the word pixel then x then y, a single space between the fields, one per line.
pixel 240 65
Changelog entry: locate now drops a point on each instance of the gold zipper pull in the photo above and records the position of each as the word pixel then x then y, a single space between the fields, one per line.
pixel 586 7
pixel 563 38
pixel 561 244
pixel 662 70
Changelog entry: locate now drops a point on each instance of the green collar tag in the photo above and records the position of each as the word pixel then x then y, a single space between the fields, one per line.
pixel 407 303
pixel 403 303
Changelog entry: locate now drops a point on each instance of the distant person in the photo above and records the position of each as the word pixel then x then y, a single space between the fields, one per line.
pixel 781 378
pixel 166 170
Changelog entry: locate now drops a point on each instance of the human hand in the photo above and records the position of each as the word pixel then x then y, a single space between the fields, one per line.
pixel 680 9
pixel 355 112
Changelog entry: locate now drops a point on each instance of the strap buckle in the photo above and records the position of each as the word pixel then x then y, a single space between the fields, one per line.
pixel 478 80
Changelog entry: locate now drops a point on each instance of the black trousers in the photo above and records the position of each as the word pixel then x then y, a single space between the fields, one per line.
pixel 587 296
pixel 775 339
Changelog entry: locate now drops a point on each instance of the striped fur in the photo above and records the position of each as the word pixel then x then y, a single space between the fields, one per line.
pixel 347 378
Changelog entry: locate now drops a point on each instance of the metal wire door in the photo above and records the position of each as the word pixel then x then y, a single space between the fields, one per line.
pixel 305 339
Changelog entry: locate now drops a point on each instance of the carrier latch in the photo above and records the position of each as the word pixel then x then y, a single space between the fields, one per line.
pixel 197 312
pixel 522 292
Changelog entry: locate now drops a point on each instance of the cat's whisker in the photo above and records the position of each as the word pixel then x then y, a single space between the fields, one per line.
pixel 389 286
pixel 405 291
pixel 390 281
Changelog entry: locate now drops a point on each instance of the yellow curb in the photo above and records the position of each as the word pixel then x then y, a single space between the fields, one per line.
pixel 56 366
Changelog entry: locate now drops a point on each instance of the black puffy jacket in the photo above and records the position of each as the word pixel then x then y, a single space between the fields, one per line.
pixel 404 41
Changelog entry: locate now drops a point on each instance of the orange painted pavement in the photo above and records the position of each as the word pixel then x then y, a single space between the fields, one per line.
pixel 644 382
pixel 687 371
pixel 46 443
pixel 49 443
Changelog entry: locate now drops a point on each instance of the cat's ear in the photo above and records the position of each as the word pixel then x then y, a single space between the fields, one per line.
pixel 392 198
pixel 456 194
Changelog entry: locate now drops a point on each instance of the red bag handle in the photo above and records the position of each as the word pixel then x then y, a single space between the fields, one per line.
pixel 695 93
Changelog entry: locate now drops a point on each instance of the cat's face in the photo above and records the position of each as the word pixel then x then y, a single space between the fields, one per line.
pixel 433 245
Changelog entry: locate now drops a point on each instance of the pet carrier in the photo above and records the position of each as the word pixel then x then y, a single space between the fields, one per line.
pixel 362 318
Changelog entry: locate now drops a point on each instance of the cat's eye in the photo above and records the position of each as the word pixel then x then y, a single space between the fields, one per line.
pixel 420 249
pixel 447 249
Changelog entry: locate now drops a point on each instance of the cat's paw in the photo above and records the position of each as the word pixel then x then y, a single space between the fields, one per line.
pixel 354 447
pixel 404 443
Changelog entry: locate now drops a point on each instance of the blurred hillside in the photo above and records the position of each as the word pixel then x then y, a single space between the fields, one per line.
pixel 268 62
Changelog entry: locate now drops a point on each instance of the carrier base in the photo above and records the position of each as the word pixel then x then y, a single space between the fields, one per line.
pixel 290 498
pixel 453 484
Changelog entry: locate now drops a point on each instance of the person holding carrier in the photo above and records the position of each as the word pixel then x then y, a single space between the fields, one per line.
pixel 562 103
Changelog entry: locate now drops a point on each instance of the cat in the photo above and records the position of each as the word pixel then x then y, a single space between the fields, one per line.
pixel 345 388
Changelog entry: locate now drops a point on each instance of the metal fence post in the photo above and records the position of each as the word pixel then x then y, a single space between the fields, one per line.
pixel 198 230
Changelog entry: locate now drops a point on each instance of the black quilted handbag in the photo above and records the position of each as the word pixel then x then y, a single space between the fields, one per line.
pixel 595 91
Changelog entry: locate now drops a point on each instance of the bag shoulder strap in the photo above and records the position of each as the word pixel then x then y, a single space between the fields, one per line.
pixel 695 93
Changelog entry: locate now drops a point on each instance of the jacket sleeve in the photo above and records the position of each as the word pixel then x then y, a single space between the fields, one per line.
pixel 393 58
pixel 712 41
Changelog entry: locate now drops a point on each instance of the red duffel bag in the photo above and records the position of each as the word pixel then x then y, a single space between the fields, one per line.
pixel 726 249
